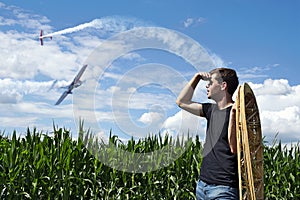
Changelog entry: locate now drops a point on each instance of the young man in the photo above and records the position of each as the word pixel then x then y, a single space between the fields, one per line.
pixel 218 174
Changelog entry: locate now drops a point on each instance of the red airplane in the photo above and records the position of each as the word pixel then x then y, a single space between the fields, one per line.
pixel 44 36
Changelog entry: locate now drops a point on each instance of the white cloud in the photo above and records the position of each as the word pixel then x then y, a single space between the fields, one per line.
pixel 6 22
pixel 58 58
pixel 151 117
pixel 18 122
pixel 273 87
pixel 286 122
pixel 188 22
pixel 250 73
pixel 6 98
pixel 29 58
pixel 183 123
pixel 23 18
pixel 33 114
pixel 217 60
pixel 193 21
pixel 279 105
pixel 276 95
pixel 133 56
pixel 13 91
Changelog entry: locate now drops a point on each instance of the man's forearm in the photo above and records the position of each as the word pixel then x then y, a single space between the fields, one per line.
pixel 232 131
pixel 188 91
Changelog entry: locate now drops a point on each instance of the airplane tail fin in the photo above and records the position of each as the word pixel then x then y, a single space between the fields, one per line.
pixel 41 38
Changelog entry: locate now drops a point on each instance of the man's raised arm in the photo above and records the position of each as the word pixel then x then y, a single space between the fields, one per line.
pixel 184 99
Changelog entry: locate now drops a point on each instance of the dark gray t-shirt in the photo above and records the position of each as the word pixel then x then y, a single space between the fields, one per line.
pixel 219 165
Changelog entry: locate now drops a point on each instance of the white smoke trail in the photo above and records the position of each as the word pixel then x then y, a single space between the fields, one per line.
pixel 110 24
pixel 73 29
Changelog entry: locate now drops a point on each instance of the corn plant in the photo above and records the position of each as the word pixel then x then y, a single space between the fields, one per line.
pixel 55 166
pixel 282 172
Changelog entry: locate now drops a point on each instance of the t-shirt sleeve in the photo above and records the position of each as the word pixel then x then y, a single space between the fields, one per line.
pixel 206 109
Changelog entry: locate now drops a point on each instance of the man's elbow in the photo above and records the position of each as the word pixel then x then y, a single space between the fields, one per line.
pixel 233 149
pixel 178 102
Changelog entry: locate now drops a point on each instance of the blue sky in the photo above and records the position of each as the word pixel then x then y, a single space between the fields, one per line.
pixel 260 39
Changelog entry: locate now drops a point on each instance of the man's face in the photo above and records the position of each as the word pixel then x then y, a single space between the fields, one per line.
pixel 213 87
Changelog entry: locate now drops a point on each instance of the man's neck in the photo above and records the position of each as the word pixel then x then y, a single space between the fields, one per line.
pixel 225 102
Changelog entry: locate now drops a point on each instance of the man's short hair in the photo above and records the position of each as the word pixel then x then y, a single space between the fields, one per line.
pixel 227 75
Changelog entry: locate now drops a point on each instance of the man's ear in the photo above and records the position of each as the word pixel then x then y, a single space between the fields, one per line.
pixel 223 85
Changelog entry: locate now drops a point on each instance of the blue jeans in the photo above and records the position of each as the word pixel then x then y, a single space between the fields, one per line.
pixel 206 191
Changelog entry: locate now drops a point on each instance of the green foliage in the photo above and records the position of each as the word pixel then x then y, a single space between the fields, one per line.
pixel 38 166
pixel 282 172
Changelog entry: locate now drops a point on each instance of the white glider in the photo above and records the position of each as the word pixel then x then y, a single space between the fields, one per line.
pixel 75 83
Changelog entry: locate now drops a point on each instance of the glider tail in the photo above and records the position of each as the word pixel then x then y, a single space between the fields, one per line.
pixel 41 38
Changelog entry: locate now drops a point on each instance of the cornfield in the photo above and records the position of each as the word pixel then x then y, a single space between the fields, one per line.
pixel 38 166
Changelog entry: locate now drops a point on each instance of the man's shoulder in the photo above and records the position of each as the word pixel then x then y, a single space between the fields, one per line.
pixel 209 105
pixel 207 108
